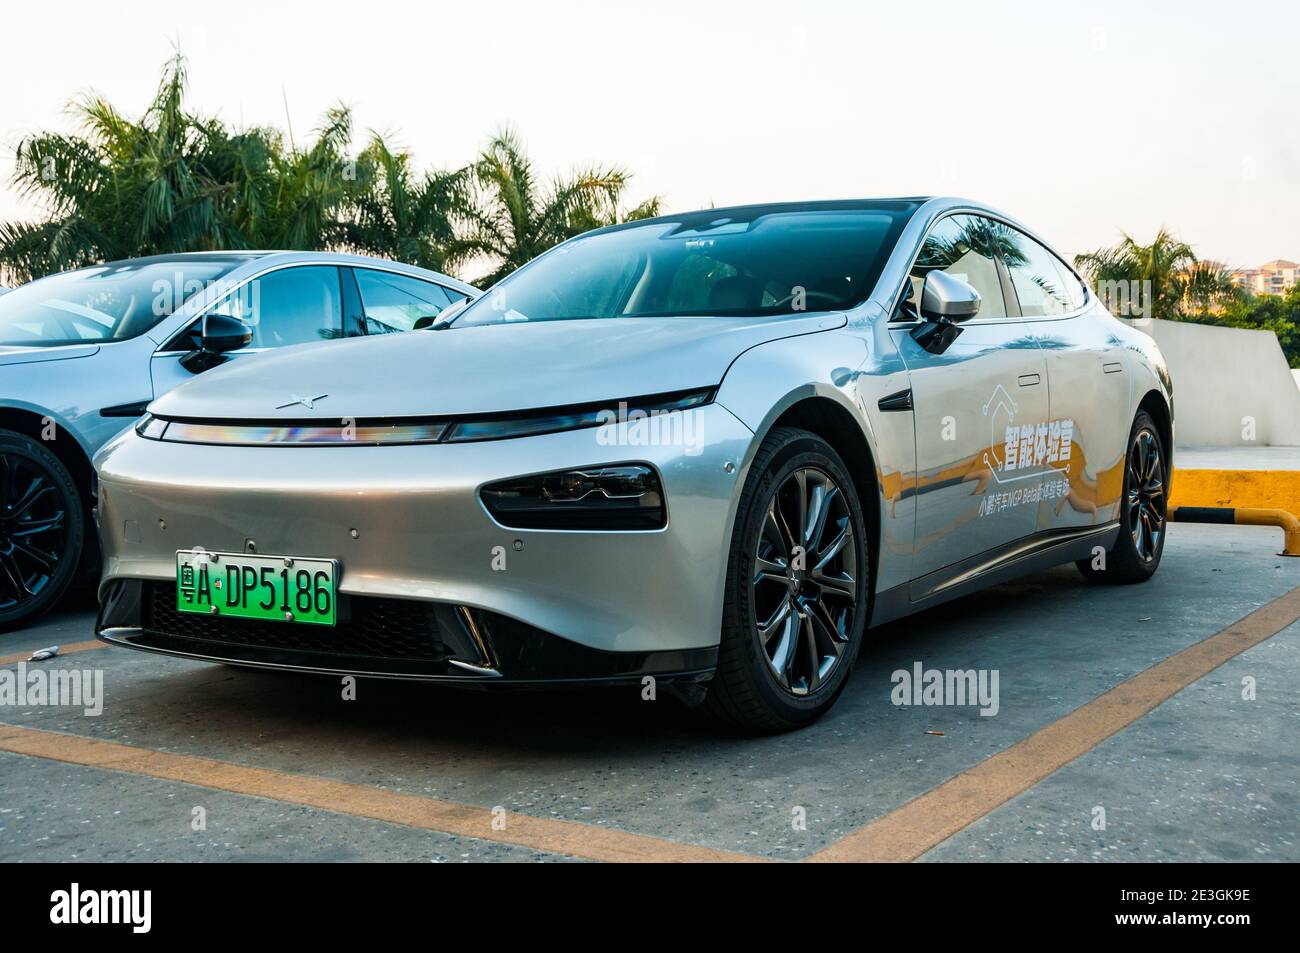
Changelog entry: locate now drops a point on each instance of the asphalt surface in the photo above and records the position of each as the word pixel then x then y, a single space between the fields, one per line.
pixel 1206 775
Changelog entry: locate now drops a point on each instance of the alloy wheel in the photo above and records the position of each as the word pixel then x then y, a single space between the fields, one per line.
pixel 804 588
pixel 1146 494
pixel 33 530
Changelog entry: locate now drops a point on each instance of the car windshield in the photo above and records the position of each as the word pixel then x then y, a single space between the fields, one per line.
pixel 750 262
pixel 109 302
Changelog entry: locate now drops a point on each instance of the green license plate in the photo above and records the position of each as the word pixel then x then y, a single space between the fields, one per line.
pixel 244 586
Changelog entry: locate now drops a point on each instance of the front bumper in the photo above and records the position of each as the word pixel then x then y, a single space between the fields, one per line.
pixel 386 638
pixel 487 603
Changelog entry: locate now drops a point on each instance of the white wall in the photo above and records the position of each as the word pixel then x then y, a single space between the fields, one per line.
pixel 1222 375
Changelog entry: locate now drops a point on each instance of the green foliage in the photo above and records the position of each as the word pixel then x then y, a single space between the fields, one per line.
pixel 396 215
pixel 513 217
pixel 1185 288
pixel 1157 267
pixel 173 181
pixel 1205 287
pixel 1276 313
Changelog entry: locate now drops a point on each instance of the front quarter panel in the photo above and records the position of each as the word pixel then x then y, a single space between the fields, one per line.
pixel 853 367
pixel 73 391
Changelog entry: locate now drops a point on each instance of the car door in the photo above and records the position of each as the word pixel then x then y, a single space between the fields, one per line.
pixel 977 408
pixel 294 304
pixel 1088 389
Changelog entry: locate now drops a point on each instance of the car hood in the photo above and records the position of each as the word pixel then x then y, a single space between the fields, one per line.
pixel 485 369
pixel 17 354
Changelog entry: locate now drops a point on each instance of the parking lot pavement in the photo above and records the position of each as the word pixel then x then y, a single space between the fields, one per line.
pixel 1205 775
pixel 94 802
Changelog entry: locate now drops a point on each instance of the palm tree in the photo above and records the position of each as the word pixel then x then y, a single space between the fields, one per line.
pixel 513 218
pixel 171 182
pixel 309 190
pixel 395 215
pixel 1155 269
pixel 1207 286
pixel 585 219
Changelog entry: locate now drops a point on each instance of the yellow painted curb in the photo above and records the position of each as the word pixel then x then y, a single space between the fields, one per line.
pixel 1267 489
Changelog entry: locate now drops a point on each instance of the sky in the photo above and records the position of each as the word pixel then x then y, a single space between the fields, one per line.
pixel 1081 120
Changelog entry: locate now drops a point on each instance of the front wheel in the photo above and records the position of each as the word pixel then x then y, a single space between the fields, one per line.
pixel 1135 557
pixel 796 589
pixel 41 529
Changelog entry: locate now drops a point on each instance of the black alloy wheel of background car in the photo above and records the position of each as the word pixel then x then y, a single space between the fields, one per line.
pixel 42 526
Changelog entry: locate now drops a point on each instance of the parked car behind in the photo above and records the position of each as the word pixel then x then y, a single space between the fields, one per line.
pixel 83 352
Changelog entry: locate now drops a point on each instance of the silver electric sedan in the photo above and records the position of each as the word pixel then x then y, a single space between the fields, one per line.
pixel 710 449
pixel 83 352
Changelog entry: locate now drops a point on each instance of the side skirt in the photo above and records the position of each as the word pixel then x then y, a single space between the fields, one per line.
pixel 1024 556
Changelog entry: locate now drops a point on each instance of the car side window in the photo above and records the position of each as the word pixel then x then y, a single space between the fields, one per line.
pixel 1043 283
pixel 394 302
pixel 963 246
pixel 289 306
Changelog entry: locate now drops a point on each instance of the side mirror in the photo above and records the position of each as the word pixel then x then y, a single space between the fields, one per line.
pixel 221 333
pixel 945 297
pixel 945 302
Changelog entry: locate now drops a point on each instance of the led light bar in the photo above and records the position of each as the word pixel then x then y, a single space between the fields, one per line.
pixel 398 430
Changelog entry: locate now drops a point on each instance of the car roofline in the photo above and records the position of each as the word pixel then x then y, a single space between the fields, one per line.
pixel 810 205
pixel 259 260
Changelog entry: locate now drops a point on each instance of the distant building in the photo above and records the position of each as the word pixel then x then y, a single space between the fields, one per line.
pixel 1272 278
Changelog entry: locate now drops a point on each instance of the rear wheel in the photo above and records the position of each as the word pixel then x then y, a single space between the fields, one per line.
pixel 796 588
pixel 1135 557
pixel 42 529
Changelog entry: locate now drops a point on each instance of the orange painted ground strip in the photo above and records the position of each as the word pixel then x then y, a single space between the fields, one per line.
pixel 70 649
pixel 925 822
pixel 545 834
pixel 902 835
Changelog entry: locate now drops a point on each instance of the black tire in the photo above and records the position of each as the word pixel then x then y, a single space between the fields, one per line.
pixel 36 565
pixel 747 691
pixel 1135 557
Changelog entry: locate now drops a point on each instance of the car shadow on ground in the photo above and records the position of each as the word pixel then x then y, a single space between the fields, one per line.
pixel 594 720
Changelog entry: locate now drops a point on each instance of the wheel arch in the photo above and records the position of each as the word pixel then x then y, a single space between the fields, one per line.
pixel 1153 402
pixel 830 420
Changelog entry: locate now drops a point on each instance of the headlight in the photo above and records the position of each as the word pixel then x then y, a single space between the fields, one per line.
pixel 627 496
